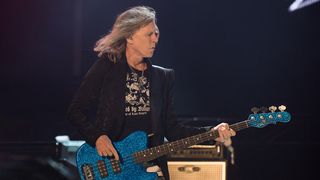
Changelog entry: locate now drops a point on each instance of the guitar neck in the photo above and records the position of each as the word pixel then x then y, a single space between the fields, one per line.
pixel 155 152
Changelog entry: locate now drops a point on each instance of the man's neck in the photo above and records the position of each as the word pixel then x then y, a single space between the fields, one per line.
pixel 135 61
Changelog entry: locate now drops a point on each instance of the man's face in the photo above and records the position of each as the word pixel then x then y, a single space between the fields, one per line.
pixel 144 40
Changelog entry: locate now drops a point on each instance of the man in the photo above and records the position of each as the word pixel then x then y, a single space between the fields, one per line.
pixel 131 94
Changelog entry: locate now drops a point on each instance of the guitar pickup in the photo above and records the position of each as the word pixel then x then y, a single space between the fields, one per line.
pixel 87 172
pixel 102 169
pixel 115 166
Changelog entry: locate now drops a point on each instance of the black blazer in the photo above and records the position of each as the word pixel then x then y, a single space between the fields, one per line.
pixel 104 88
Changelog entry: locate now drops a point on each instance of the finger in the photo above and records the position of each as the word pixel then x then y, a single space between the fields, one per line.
pixel 224 132
pixel 222 128
pixel 109 153
pixel 114 152
pixel 227 142
pixel 100 153
pixel 232 132
pixel 226 125
pixel 221 137
pixel 229 134
pixel 106 153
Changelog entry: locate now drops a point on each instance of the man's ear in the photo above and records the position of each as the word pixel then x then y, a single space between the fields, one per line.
pixel 129 40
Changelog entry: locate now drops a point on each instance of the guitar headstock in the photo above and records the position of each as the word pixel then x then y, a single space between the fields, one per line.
pixel 260 120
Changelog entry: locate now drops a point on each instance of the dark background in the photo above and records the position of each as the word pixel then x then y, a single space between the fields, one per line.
pixel 228 56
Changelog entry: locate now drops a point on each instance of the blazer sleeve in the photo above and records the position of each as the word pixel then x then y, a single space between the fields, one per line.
pixel 84 98
pixel 175 130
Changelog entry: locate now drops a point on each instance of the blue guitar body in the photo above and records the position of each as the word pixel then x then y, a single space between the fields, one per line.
pixel 92 166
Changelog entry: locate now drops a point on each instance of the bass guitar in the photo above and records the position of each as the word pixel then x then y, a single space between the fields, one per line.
pixel 133 150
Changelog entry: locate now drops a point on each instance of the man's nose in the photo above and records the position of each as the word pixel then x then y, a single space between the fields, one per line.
pixel 155 38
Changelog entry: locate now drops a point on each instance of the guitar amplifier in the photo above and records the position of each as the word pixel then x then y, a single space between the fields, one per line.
pixel 200 162
pixel 198 152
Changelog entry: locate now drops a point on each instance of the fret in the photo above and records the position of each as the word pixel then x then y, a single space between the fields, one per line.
pixel 239 126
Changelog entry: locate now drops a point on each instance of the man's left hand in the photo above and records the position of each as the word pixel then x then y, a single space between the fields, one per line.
pixel 225 133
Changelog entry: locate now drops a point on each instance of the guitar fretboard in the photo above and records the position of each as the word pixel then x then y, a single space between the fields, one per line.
pixel 155 152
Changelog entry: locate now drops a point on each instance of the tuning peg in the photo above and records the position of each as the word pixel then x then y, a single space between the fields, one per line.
pixel 282 108
pixel 272 108
pixel 263 109
pixel 255 110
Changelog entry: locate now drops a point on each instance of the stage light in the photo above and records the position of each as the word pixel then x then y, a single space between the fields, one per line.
pixel 298 4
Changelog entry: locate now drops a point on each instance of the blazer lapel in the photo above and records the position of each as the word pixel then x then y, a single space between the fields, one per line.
pixel 156 97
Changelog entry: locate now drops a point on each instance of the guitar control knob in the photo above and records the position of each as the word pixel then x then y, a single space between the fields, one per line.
pixel 255 110
pixel 272 108
pixel 282 108
pixel 263 109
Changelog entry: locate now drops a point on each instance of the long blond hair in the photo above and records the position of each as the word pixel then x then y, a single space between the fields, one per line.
pixel 126 24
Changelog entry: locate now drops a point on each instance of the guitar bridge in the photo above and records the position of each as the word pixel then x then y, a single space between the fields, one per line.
pixel 87 172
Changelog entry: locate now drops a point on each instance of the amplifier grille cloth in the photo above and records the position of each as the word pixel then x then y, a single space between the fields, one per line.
pixel 197 170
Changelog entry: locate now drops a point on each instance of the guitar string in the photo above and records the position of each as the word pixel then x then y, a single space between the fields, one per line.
pixel 129 160
pixel 207 135
pixel 236 126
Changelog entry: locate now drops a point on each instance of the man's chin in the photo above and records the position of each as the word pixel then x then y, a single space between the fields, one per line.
pixel 148 56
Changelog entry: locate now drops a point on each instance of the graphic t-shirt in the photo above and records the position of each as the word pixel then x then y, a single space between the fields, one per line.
pixel 137 101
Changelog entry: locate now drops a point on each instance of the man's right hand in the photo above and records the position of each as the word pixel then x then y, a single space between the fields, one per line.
pixel 105 147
